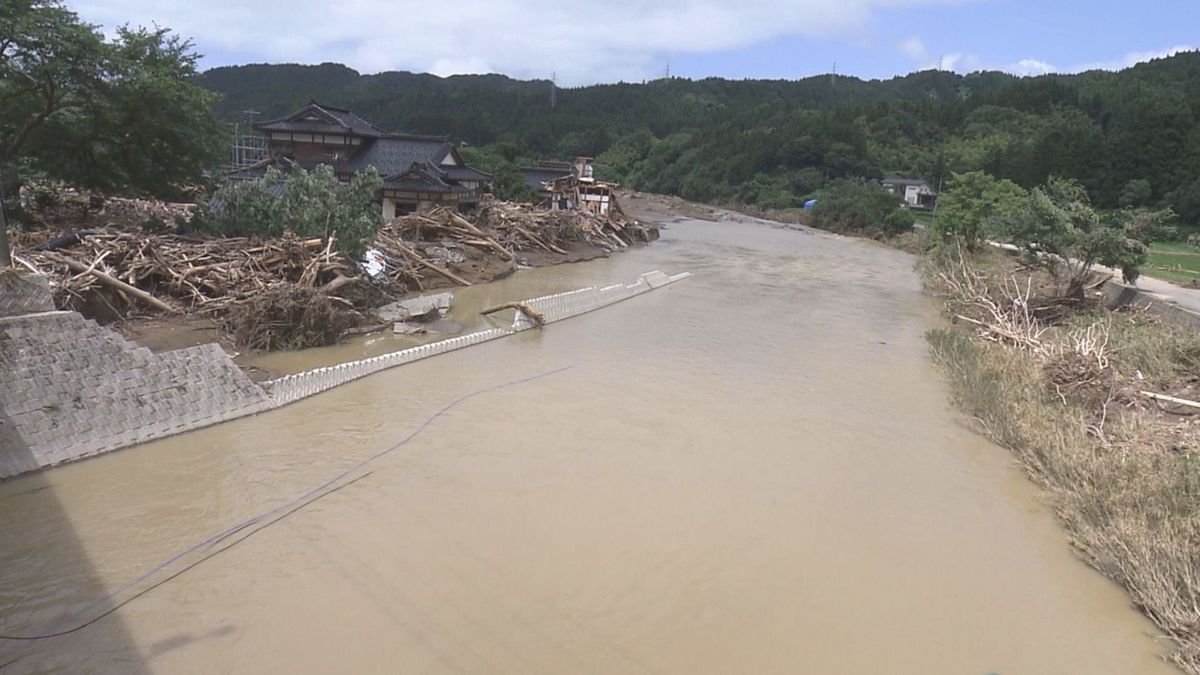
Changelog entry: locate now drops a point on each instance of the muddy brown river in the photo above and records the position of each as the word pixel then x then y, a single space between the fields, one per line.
pixel 752 471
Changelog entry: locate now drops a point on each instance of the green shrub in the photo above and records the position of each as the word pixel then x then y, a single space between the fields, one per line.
pixel 855 207
pixel 898 221
pixel 974 206
pixel 1060 221
pixel 310 204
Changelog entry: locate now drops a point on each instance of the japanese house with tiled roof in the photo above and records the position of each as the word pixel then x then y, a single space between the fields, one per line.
pixel 418 171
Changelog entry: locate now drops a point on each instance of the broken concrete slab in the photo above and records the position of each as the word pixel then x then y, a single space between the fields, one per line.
pixel 422 308
pixel 444 327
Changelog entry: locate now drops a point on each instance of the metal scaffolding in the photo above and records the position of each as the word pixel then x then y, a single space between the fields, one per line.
pixel 249 146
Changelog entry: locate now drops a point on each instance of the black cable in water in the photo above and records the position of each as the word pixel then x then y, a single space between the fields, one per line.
pixel 267 518
pixel 185 568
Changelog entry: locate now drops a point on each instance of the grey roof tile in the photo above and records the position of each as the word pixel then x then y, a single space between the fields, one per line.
pixel 396 153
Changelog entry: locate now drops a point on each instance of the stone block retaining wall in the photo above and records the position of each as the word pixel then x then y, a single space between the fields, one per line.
pixel 70 388
pixel 24 294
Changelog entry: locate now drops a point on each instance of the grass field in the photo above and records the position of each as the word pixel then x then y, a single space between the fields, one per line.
pixel 922 217
pixel 1175 262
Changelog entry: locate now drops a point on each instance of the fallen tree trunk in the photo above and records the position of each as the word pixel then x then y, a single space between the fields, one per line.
pixel 1172 399
pixel 492 243
pixel 339 282
pixel 416 257
pixel 108 280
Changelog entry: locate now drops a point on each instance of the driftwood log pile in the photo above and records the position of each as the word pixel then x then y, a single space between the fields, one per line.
pixel 259 289
pixel 58 205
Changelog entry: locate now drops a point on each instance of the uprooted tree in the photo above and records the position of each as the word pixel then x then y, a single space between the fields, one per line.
pixel 120 114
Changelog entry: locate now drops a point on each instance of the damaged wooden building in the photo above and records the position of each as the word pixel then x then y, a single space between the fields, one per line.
pixel 419 172
pixel 564 186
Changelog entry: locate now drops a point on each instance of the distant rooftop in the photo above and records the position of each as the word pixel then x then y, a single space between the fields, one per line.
pixel 317 118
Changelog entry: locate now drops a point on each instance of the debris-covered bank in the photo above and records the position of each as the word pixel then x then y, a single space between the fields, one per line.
pixel 291 292
pixel 1100 407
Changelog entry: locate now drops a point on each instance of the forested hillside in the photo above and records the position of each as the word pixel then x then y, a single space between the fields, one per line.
pixel 1132 138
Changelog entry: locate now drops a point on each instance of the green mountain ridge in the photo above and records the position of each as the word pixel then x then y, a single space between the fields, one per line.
pixel 1131 137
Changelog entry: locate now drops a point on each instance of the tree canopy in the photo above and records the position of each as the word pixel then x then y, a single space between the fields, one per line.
pixel 306 203
pixel 122 114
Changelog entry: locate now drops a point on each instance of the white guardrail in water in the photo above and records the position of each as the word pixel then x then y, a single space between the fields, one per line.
pixel 557 307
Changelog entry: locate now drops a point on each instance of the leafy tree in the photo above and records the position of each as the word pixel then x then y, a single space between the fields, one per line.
pixel 500 160
pixel 1148 225
pixel 1136 193
pixel 120 114
pixel 310 204
pixel 618 161
pixel 1185 200
pixel 975 205
pixel 509 184
pixel 898 221
pixel 1063 230
pixel 852 206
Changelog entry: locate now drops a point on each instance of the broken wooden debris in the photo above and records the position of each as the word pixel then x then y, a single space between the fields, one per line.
pixel 1172 399
pixel 533 315
pixel 131 272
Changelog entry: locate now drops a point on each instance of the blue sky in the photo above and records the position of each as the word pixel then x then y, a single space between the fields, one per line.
pixel 990 34
pixel 634 39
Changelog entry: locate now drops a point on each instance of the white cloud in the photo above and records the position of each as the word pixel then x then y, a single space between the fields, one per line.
pixel 914 49
pixel 955 61
pixel 462 66
pixel 1029 67
pixel 1038 67
pixel 583 43
pixel 1132 59
pixel 960 62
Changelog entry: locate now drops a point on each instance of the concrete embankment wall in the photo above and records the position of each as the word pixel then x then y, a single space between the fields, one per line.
pixel 24 294
pixel 1117 294
pixel 71 389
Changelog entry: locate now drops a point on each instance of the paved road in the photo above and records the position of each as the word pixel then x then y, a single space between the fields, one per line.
pixel 1187 298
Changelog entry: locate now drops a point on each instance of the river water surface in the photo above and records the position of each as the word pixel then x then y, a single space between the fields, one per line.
pixel 753 471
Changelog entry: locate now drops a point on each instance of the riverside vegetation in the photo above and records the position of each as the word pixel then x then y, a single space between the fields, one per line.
pixel 1045 370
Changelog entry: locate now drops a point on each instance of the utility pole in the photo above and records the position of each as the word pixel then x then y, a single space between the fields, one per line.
pixel 938 198
pixel 5 256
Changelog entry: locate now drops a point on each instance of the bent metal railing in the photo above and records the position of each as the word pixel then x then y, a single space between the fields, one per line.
pixel 548 309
